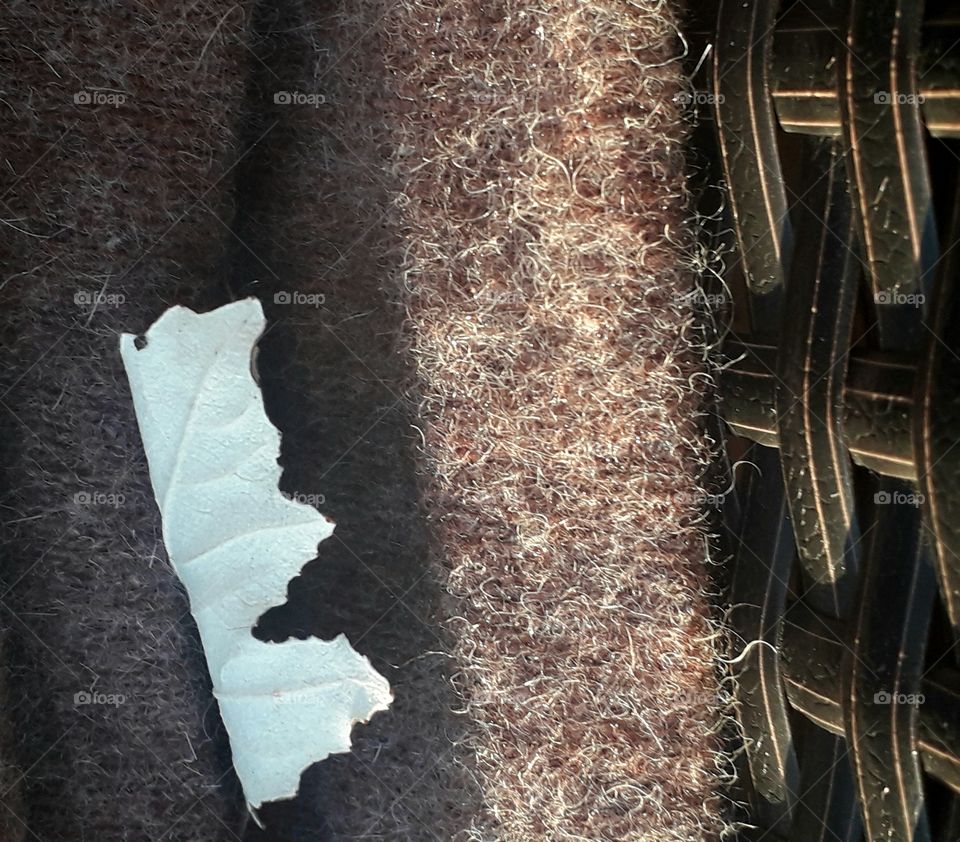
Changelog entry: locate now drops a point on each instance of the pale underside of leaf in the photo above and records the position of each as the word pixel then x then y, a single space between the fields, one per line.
pixel 235 541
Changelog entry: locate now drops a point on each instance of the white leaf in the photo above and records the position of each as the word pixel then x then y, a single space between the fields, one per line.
pixel 235 541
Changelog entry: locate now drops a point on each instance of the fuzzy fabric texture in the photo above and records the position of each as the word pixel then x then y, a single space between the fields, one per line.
pixel 552 322
pixel 316 197
pixel 466 223
pixel 120 134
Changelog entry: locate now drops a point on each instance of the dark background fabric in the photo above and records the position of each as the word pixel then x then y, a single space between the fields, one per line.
pixel 124 201
pixel 493 393
pixel 196 189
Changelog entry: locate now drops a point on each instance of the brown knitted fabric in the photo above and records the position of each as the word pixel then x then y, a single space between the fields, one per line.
pixel 463 221
pixel 118 140
pixel 551 314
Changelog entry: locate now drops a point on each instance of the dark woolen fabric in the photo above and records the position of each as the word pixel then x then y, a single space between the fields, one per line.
pixel 481 355
pixel 315 200
pixel 196 189
pixel 119 138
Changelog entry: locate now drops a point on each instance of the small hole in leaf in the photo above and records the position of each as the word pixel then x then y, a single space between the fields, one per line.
pixel 140 342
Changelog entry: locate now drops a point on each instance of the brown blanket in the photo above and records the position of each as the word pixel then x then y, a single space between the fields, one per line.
pixel 487 382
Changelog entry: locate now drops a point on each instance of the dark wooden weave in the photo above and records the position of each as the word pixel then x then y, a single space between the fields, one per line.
pixel 834 133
